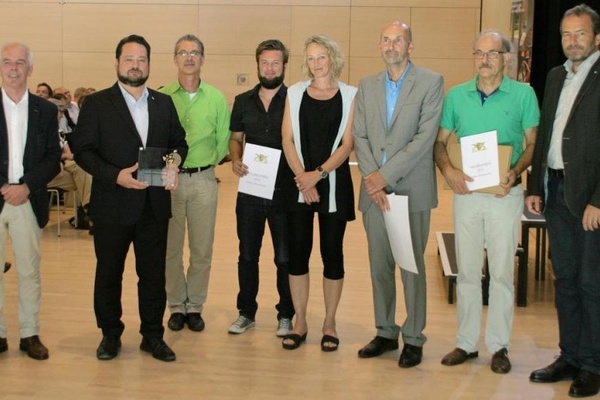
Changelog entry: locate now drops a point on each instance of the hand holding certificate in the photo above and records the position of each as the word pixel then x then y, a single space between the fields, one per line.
pixel 263 163
pixel 480 157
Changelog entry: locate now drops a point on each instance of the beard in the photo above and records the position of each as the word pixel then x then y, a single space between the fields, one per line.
pixel 271 83
pixel 133 82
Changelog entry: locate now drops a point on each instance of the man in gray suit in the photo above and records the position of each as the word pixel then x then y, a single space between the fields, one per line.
pixel 395 125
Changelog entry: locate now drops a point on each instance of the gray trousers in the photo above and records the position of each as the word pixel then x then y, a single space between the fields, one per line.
pixel 383 278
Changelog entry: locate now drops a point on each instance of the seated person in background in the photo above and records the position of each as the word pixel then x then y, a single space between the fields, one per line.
pixel 72 107
pixel 72 177
pixel 44 90
pixel 65 122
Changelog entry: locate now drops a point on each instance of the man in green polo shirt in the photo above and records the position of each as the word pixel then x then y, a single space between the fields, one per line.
pixel 491 101
pixel 204 114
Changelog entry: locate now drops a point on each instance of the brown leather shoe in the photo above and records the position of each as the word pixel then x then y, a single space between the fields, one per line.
pixel 458 356
pixel 500 362
pixel 7 266
pixel 3 345
pixel 34 347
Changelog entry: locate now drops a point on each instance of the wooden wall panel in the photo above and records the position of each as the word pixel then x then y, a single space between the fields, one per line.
pixel 47 67
pixel 454 72
pixel 80 51
pixel 419 3
pixel 161 25
pixel 366 25
pixel 244 29
pixel 40 30
pixel 444 33
pixel 331 21
pixel 325 3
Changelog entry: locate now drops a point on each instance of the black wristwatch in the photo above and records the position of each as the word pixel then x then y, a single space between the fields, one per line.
pixel 324 174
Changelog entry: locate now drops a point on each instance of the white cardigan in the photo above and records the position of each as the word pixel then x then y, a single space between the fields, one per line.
pixel 295 93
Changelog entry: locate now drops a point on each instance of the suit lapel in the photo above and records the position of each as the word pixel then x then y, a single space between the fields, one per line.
pixel 381 100
pixel 152 115
pixel 587 85
pixel 123 110
pixel 407 85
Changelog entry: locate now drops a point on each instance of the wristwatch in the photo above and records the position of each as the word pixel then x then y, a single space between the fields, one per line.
pixel 324 174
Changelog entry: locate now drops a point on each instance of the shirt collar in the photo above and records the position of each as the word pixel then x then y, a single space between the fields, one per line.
pixel 6 98
pixel 584 67
pixel 504 85
pixel 129 98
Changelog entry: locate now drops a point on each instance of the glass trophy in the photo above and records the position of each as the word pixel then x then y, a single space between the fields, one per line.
pixel 153 166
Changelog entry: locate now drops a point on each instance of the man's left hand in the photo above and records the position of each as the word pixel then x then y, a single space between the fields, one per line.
pixel 15 195
pixel 591 218
pixel 374 182
pixel 509 180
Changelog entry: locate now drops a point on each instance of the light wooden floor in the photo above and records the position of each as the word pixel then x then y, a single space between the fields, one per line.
pixel 215 365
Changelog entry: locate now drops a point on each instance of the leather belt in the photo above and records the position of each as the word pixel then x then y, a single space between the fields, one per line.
pixel 193 170
pixel 557 173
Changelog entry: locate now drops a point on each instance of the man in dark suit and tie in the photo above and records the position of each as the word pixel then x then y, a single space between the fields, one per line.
pixel 113 125
pixel 395 124
pixel 30 157
pixel 566 174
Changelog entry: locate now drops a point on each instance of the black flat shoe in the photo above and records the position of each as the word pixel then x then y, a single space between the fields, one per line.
pixel 108 348
pixel 158 348
pixel 176 321
pixel 410 356
pixel 586 384
pixel 296 340
pixel 377 347
pixel 557 371
pixel 328 339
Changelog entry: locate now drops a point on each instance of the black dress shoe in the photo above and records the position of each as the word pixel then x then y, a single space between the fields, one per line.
pixel 195 322
pixel 7 266
pixel 500 362
pixel 176 321
pixel 557 371
pixel 586 384
pixel 377 347
pixel 3 345
pixel 108 348
pixel 159 349
pixel 34 347
pixel 410 356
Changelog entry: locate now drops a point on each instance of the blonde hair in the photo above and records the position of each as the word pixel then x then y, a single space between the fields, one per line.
pixel 336 58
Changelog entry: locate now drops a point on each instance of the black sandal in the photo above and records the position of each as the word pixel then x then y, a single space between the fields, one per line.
pixel 329 339
pixel 295 338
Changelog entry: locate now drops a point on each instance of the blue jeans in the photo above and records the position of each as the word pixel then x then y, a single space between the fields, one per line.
pixel 252 212
pixel 576 263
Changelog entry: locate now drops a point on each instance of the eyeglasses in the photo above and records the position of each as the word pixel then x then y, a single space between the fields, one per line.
pixel 185 54
pixel 492 54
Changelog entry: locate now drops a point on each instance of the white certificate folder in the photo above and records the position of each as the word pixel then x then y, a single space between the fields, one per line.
pixel 263 163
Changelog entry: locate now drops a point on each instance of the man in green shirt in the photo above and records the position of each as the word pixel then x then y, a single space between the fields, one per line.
pixel 489 102
pixel 204 114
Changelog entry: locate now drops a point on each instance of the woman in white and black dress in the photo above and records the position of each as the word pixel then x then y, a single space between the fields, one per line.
pixel 317 141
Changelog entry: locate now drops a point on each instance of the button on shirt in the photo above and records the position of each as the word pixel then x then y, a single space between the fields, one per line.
pixel 16 123
pixel 571 87
pixel 139 112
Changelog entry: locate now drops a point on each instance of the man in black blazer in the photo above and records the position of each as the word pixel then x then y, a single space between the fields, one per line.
pixel 113 125
pixel 566 162
pixel 29 159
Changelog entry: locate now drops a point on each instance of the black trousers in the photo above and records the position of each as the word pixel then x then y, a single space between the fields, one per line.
pixel 111 243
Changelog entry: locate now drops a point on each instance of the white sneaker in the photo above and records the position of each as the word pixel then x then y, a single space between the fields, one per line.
pixel 241 325
pixel 284 327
